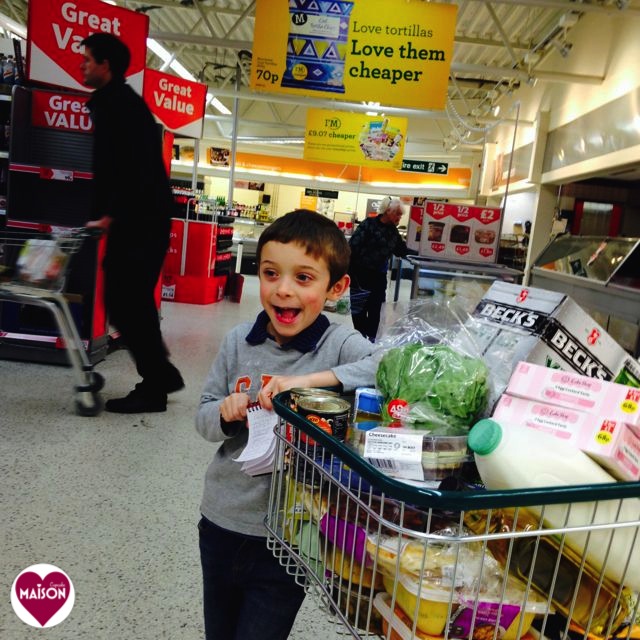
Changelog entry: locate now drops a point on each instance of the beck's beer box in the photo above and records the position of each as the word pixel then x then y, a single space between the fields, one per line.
pixel 512 323
pixel 460 232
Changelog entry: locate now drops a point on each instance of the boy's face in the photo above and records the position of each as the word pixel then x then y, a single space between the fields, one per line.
pixel 294 287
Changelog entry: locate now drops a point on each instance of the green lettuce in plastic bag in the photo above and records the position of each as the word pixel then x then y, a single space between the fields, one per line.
pixel 434 384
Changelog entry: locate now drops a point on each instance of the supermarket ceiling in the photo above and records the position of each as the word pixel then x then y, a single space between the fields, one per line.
pixel 499 46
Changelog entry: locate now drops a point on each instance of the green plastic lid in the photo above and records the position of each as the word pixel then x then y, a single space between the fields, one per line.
pixel 484 436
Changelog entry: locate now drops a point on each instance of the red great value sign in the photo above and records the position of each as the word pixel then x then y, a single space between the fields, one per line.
pixel 178 103
pixel 60 111
pixel 57 27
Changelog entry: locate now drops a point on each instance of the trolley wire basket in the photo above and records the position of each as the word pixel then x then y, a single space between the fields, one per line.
pixel 41 259
pixel 391 559
pixel 34 264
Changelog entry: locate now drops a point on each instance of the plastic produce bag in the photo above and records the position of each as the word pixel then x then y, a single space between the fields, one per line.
pixel 431 375
pixel 42 263
pixel 432 385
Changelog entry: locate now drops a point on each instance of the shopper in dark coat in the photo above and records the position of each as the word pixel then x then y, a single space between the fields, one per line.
pixel 373 243
pixel 134 204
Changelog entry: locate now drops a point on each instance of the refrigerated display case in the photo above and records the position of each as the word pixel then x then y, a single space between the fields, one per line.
pixel 246 232
pixel 602 274
pixel 449 279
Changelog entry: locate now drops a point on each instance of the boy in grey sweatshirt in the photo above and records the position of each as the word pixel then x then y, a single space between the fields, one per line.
pixel 302 262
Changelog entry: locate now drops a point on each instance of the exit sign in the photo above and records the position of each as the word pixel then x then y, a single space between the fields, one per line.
pixel 321 193
pixel 421 166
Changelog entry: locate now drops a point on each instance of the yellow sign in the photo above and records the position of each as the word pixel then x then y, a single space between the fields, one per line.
pixel 396 52
pixel 354 138
pixel 308 202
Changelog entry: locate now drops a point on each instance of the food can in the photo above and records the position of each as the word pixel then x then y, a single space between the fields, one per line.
pixel 299 392
pixel 327 412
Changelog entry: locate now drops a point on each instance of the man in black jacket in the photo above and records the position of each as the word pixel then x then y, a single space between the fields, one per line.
pixel 373 243
pixel 133 204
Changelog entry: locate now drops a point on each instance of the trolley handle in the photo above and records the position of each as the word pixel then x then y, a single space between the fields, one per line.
pixel 82 233
pixel 453 500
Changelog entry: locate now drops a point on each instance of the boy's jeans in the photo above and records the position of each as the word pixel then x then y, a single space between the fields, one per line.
pixel 247 594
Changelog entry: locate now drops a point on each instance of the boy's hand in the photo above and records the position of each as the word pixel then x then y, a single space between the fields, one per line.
pixel 103 223
pixel 278 384
pixel 234 407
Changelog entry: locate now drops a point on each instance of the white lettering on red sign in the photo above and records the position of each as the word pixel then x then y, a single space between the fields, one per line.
pixel 65 37
pixel 60 111
pixel 170 94
pixel 67 113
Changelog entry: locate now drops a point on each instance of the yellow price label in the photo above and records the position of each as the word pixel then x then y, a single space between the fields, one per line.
pixel 629 406
pixel 603 437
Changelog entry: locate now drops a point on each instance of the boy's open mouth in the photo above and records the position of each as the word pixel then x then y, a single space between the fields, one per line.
pixel 286 315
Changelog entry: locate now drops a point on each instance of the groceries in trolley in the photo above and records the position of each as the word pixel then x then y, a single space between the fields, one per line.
pixel 400 558
pixel 516 457
pixel 600 418
pixel 411 453
pixel 41 262
pixel 432 385
pixel 523 516
pixel 512 323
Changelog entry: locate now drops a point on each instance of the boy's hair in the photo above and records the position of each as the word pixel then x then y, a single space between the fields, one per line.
pixel 319 236
pixel 106 46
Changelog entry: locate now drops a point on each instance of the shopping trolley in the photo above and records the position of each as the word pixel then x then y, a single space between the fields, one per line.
pixel 33 268
pixel 391 559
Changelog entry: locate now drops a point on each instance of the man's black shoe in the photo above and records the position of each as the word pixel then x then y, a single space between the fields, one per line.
pixel 174 381
pixel 138 401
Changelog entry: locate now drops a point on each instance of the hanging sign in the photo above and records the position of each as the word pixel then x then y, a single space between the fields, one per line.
pixel 398 53
pixel 322 193
pixel 460 232
pixel 57 27
pixel 178 103
pixel 422 166
pixel 354 138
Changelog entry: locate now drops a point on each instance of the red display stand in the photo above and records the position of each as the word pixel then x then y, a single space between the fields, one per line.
pixel 193 289
pixel 193 264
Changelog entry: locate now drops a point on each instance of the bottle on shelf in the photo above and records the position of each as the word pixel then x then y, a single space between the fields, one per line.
pixel 521 458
